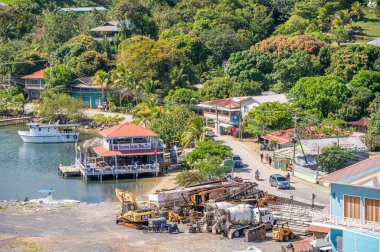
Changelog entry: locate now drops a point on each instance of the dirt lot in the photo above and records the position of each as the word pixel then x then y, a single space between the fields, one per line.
pixel 91 227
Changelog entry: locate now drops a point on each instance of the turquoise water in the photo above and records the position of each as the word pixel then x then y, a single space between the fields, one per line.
pixel 26 168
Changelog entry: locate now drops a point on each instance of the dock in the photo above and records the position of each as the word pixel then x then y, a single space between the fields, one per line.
pixel 14 121
pixel 69 170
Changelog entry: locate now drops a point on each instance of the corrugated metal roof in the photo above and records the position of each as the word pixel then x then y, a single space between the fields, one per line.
pixel 260 99
pixel 36 75
pixel 281 136
pixel 126 130
pixel 365 173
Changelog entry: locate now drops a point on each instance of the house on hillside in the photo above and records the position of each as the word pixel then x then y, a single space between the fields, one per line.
pixel 126 149
pixel 360 125
pixel 84 89
pixel 84 9
pixel 354 214
pixel 109 29
pixel 34 84
pixel 228 113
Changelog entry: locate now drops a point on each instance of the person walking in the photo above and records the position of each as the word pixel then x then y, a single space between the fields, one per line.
pixel 261 156
pixel 270 161
pixel 267 158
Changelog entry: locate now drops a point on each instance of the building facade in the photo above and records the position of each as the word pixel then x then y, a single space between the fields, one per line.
pixel 85 90
pixel 126 149
pixel 34 84
pixel 354 215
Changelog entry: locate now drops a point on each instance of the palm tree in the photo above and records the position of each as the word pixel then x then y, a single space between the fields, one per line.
pixel 102 79
pixel 356 10
pixel 194 131
pixel 6 33
pixel 146 111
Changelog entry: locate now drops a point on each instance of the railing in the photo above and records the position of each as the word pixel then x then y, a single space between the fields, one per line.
pixel 34 85
pixel 346 222
pixel 90 170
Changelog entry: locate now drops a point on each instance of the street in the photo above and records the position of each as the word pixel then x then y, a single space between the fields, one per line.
pixel 301 190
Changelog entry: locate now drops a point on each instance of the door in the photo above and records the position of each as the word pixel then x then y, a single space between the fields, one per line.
pixel 372 210
pixel 352 207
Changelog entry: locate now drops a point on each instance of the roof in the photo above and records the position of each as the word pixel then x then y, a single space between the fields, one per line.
pixel 352 143
pixel 301 246
pixel 233 102
pixel 281 136
pixel 319 229
pixel 198 86
pixel 365 173
pixel 102 151
pixel 363 122
pixel 110 26
pixel 84 9
pixel 84 82
pixel 270 98
pixel 376 41
pixel 126 130
pixel 36 75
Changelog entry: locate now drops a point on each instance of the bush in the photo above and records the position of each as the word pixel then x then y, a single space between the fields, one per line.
pixel 108 120
pixel 186 178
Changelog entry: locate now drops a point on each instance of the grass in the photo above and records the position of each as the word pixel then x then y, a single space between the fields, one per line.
pixel 25 246
pixel 369 25
pixel 12 1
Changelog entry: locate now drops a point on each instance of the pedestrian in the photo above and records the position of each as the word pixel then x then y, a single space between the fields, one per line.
pixel 267 158
pixel 270 161
pixel 261 156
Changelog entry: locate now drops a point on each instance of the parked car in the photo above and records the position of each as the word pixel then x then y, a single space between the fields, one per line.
pixel 278 181
pixel 237 160
pixel 209 132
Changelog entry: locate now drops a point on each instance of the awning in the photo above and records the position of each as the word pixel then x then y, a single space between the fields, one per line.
pixel 225 125
pixel 319 229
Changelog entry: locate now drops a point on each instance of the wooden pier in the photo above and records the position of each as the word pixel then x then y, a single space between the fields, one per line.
pixel 14 121
pixel 69 170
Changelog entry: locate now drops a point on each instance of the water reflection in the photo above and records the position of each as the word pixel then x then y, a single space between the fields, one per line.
pixel 25 168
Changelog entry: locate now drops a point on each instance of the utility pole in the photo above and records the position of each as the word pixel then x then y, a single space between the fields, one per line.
pixel 294 142
pixel 217 120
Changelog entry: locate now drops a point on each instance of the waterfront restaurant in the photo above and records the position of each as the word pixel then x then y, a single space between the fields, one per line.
pixel 126 149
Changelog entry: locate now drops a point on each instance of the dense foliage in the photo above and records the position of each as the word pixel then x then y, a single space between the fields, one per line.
pixel 334 158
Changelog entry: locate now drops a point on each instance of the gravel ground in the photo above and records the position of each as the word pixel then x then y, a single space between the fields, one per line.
pixel 91 227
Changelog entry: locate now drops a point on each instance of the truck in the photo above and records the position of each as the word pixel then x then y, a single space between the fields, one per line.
pixel 232 221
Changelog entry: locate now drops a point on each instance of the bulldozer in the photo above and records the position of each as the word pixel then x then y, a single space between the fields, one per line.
pixel 282 232
pixel 131 215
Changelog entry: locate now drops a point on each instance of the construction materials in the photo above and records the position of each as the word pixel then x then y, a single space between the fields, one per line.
pixel 282 232
pixel 131 215
pixel 255 233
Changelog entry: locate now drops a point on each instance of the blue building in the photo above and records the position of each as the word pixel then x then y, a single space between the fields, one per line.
pixel 85 90
pixel 354 216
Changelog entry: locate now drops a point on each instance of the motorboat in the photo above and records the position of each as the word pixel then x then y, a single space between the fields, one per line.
pixel 50 133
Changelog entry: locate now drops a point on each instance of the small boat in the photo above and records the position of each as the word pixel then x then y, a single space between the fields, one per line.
pixel 51 133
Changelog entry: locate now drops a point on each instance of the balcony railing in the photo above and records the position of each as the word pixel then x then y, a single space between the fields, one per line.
pixel 221 118
pixel 341 221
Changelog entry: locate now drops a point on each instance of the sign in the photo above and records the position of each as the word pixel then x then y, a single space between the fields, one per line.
pixel 229 164
pixel 235 119
pixel 133 146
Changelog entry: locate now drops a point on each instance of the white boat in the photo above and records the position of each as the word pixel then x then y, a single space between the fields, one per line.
pixel 51 133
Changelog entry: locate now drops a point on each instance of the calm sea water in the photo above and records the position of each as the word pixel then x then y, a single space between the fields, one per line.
pixel 26 168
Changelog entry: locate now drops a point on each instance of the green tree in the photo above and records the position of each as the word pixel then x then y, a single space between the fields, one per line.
pixel 211 165
pixel 171 124
pixel 356 105
pixel 252 65
pixel 194 131
pixel 325 94
pixel 372 137
pixel 145 112
pixel 187 178
pixel 11 101
pixel 295 25
pixel 58 78
pixel 367 79
pixel 60 107
pixel 290 69
pixel 87 64
pixel 207 149
pixel 267 117
pixel 183 95
pixel 334 158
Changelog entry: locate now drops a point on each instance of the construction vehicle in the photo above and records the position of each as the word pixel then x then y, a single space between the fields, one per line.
pixel 282 232
pixel 131 215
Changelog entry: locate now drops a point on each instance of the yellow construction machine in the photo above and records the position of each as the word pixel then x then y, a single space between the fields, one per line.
pixel 131 215
pixel 282 232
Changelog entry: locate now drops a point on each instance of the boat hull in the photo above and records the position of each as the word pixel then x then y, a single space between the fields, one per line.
pixel 60 138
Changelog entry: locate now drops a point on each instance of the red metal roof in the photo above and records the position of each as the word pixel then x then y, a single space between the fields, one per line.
pixel 361 122
pixel 281 137
pixel 233 102
pixel 103 152
pixel 364 173
pixel 319 229
pixel 35 75
pixel 126 130
pixel 301 246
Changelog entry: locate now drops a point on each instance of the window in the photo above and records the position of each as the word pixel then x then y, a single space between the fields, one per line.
pixel 372 210
pixel 352 207
pixel 34 94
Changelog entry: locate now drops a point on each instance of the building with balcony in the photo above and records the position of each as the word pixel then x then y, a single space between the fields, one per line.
pixel 354 214
pixel 34 84
pixel 228 113
pixel 126 149
pixel 85 90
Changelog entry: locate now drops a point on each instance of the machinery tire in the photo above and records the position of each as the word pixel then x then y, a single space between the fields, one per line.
pixel 145 231
pixel 292 235
pixel 286 238
pixel 236 234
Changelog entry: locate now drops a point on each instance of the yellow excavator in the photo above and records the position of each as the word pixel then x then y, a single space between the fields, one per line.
pixel 131 215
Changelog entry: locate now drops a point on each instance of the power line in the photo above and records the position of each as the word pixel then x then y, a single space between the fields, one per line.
pixel 20 62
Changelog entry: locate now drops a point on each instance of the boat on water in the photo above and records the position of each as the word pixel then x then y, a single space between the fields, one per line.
pixel 51 133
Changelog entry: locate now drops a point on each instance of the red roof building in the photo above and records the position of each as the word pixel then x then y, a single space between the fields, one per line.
pixel 360 125
pixel 127 148
pixel 281 137
pixel 34 83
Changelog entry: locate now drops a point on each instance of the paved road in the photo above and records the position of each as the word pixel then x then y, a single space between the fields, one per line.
pixel 300 189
